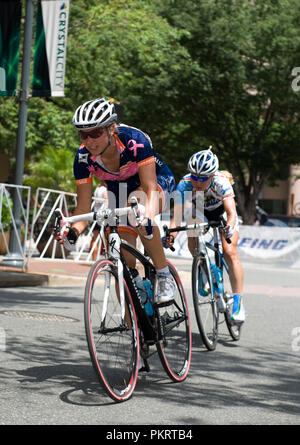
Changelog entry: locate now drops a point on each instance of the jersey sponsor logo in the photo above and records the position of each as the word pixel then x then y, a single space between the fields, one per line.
pixel 257 243
pixel 83 158
pixel 133 146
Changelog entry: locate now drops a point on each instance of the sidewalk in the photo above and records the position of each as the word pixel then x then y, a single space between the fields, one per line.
pixel 45 272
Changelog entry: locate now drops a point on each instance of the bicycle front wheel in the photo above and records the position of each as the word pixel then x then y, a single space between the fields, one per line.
pixel 113 343
pixel 205 306
pixel 176 346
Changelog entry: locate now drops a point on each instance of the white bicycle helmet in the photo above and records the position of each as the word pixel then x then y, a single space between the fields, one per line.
pixel 203 163
pixel 94 113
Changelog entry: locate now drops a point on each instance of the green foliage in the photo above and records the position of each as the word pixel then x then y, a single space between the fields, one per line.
pixel 6 209
pixel 8 124
pixel 52 169
pixel 242 101
pixel 190 73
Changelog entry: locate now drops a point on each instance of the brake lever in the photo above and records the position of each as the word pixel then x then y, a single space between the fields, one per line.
pixel 58 219
pixel 134 206
pixel 228 240
pixel 167 234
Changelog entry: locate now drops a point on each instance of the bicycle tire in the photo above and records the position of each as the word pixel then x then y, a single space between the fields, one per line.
pixel 206 310
pixel 113 347
pixel 175 348
pixel 234 329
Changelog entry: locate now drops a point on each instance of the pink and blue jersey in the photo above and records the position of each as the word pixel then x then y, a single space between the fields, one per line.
pixel 135 150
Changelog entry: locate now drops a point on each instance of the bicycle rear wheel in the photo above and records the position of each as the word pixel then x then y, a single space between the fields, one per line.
pixel 206 311
pixel 113 345
pixel 175 348
pixel 234 329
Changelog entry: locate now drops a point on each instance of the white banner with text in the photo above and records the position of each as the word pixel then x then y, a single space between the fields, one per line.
pixel 260 244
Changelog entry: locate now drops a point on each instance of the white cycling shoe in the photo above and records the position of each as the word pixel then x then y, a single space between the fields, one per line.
pixel 165 289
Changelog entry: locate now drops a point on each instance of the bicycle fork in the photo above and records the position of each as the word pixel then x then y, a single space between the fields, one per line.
pixel 114 251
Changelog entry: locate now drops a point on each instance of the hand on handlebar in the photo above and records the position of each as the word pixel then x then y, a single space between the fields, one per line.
pixel 146 228
pixel 168 242
pixel 228 232
pixel 145 225
pixel 63 233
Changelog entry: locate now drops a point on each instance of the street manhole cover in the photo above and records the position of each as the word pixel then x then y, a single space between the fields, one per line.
pixel 39 316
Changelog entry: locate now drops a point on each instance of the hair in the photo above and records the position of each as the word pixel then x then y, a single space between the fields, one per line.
pixel 228 175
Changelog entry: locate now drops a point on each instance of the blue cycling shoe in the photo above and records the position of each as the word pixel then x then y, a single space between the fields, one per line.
pixel 238 315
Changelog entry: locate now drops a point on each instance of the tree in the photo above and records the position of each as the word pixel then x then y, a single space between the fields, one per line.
pixel 129 52
pixel 240 99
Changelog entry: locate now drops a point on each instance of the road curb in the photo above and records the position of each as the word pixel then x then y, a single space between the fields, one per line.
pixel 17 279
pixel 21 279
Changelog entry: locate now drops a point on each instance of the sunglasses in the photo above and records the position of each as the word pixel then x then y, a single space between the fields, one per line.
pixel 200 178
pixel 94 134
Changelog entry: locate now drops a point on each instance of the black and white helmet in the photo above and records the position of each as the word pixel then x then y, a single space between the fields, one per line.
pixel 94 113
pixel 203 163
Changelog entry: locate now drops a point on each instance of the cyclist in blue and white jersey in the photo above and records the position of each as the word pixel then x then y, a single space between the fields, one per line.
pixel 122 157
pixel 216 200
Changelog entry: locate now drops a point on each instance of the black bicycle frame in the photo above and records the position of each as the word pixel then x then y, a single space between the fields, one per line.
pixel 151 335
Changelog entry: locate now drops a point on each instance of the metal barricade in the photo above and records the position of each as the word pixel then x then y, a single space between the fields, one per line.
pixel 42 242
pixel 11 229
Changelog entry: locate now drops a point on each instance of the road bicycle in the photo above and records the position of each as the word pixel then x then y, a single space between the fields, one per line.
pixel 210 284
pixel 119 331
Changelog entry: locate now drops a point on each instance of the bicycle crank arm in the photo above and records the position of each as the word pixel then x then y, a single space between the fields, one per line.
pixel 105 331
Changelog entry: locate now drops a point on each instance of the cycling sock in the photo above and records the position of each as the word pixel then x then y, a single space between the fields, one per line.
pixel 165 271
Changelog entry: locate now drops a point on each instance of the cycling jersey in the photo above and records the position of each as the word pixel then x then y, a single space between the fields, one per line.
pixel 218 190
pixel 135 150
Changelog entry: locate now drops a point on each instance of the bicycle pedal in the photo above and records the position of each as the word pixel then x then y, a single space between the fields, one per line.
pixel 145 368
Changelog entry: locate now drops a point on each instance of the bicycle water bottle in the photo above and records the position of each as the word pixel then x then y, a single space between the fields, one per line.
pixel 219 286
pixel 148 305
pixel 143 287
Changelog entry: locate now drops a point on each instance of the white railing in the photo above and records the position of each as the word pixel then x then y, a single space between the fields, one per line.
pixel 9 227
pixel 42 242
pixel 36 239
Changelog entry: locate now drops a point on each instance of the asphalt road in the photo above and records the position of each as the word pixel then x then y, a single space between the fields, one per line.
pixel 46 377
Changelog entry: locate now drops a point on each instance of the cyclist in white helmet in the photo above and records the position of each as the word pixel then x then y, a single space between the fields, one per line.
pixel 216 200
pixel 122 157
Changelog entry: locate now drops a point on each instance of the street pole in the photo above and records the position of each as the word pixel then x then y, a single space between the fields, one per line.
pixel 15 257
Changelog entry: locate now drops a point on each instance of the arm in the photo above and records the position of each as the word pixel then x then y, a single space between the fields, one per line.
pixel 84 202
pixel 230 209
pixel 147 174
pixel 84 197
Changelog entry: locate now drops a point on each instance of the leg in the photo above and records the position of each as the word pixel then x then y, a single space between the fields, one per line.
pixel 236 273
pixel 129 236
pixel 236 277
pixel 92 245
pixel 193 243
pixel 154 248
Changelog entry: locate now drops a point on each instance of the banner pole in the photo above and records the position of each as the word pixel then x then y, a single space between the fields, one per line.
pixel 15 258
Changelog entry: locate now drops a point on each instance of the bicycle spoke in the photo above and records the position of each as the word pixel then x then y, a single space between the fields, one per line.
pixel 204 303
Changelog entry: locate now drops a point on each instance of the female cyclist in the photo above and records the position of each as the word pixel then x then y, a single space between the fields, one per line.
pixel 216 199
pixel 122 157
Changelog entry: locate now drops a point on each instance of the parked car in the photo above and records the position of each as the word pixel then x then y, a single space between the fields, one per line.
pixel 269 219
pixel 275 222
pixel 287 220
